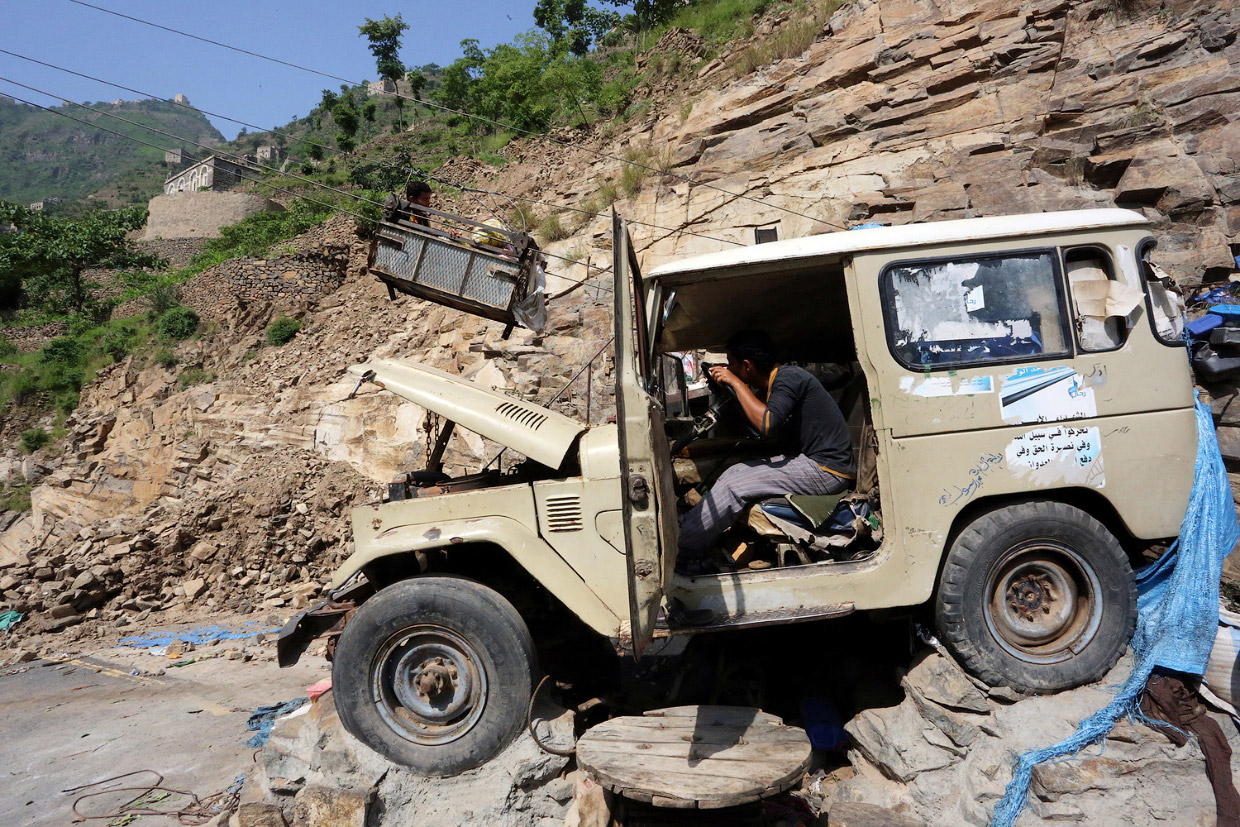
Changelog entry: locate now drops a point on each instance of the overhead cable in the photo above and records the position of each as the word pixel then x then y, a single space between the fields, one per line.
pixel 479 118
pixel 386 165
pixel 260 181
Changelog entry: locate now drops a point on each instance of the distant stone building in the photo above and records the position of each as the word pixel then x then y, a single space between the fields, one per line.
pixel 380 88
pixel 214 173
pixel 39 206
pixel 178 157
pixel 181 99
pixel 270 154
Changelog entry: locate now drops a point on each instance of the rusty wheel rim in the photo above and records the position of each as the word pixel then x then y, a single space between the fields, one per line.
pixel 1043 602
pixel 429 685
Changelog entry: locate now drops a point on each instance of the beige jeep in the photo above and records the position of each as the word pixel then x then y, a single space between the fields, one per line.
pixel 1023 414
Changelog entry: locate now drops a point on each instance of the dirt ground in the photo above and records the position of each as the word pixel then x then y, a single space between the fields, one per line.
pixel 84 717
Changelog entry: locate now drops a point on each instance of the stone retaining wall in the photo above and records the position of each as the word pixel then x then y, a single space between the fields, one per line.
pixel 178 252
pixel 30 339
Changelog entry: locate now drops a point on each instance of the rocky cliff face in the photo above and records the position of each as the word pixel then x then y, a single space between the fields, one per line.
pixel 921 111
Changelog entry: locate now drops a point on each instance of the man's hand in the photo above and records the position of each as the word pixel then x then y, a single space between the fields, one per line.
pixel 720 374
pixel 755 410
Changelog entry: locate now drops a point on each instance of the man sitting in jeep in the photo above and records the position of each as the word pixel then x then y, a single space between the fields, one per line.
pixel 784 401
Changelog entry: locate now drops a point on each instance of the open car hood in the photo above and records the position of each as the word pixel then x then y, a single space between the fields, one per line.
pixel 539 433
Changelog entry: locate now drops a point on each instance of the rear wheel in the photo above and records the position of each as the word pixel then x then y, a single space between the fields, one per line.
pixel 434 673
pixel 1037 596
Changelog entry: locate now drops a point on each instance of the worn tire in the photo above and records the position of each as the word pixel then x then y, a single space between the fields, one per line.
pixel 463 638
pixel 1037 596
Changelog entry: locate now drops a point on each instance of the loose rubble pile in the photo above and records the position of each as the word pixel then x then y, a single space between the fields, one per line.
pixel 265 540
pixel 311 765
pixel 943 757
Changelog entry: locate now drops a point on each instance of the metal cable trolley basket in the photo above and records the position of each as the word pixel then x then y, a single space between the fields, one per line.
pixel 456 261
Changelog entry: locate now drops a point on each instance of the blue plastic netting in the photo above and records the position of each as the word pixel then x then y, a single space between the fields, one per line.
pixel 1177 612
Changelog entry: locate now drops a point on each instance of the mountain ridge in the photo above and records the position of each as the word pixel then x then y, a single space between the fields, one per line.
pixel 45 155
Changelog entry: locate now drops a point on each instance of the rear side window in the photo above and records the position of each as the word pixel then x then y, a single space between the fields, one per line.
pixel 978 309
pixel 1166 299
pixel 1104 305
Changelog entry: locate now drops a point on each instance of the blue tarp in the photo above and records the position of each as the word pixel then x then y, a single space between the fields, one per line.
pixel 1177 617
pixel 200 635
pixel 264 718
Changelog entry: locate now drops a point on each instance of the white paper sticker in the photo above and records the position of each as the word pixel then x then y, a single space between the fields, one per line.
pixel 1058 455
pixel 1034 394
pixel 974 300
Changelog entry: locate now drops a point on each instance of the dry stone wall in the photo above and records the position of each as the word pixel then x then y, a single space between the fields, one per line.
pixel 30 339
pixel 178 252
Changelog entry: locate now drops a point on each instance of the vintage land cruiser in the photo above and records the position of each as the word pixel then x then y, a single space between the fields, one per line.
pixel 1023 415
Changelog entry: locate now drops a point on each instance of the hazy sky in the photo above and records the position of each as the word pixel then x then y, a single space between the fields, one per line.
pixel 313 33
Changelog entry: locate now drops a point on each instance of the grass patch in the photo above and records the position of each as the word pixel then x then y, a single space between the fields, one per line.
pixel 15 497
pixel 789 40
pixel 552 228
pixel 53 376
pixel 608 194
pixel 194 376
pixel 635 171
pixel 166 358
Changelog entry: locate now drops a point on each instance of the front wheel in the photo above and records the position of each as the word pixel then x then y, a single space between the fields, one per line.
pixel 434 673
pixel 1037 596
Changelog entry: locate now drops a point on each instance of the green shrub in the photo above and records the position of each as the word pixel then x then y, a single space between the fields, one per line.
pixel 162 298
pixel 62 351
pixel 166 358
pixel 34 439
pixel 178 323
pixel 282 331
pixel 7 349
pixel 118 343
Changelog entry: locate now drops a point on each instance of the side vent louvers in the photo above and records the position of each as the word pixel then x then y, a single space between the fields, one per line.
pixel 564 514
pixel 522 416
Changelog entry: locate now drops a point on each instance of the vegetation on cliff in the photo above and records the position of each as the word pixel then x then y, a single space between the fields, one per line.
pixel 45 155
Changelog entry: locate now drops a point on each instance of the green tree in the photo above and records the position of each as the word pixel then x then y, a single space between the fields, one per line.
pixel 417 82
pixel 649 13
pixel 572 25
pixel 456 85
pixel 48 256
pixel 384 36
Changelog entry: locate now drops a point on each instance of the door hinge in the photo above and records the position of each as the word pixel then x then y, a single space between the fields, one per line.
pixel 639 490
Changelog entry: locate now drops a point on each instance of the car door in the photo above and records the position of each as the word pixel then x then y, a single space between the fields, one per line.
pixel 645 464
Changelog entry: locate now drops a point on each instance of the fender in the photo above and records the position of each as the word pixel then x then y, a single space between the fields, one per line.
pixel 525 547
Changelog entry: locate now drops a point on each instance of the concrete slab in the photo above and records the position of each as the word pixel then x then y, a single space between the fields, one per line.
pixel 87 718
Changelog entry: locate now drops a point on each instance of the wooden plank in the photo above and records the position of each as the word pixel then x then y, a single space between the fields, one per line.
pixel 719 714
pixel 705 757
pixel 705 736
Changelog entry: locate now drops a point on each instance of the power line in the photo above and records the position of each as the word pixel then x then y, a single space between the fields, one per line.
pixel 463 113
pixel 255 179
pixel 273 131
pixel 228 155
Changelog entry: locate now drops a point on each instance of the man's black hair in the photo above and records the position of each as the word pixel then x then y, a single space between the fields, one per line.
pixel 753 346
pixel 415 188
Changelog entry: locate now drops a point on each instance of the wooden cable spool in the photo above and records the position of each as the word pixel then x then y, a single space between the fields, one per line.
pixel 703 757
